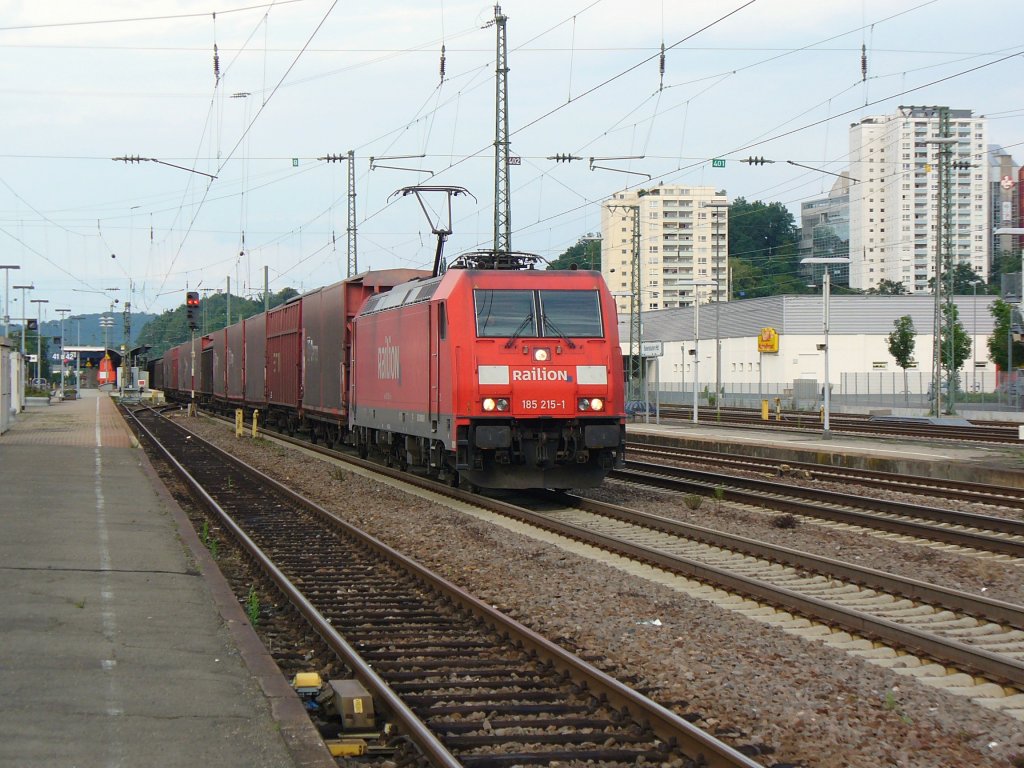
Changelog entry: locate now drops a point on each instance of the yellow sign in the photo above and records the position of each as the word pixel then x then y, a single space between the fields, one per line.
pixel 768 340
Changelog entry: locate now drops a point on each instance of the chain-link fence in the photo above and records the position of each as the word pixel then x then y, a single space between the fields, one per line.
pixel 974 390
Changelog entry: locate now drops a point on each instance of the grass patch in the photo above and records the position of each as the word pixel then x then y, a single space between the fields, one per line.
pixel 252 606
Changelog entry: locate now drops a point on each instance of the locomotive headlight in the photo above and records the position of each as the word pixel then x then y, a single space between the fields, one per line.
pixel 492 404
pixel 583 404
pixel 596 404
pixel 542 355
pixel 502 404
pixel 489 404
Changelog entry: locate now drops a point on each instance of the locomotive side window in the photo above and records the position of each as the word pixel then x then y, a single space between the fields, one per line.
pixel 574 314
pixel 505 313
pixel 442 320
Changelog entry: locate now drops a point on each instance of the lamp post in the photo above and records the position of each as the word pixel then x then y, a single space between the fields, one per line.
pixel 39 335
pixel 78 354
pixel 63 313
pixel 106 323
pixel 716 208
pixel 24 328
pixel 825 295
pixel 696 335
pixel 7 295
pixel 974 335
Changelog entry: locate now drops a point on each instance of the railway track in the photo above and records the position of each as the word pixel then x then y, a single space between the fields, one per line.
pixel 957 628
pixel 985 533
pixel 464 683
pixel 809 421
pixel 951 636
pixel 913 484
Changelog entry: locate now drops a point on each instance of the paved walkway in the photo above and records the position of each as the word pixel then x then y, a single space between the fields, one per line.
pixel 119 646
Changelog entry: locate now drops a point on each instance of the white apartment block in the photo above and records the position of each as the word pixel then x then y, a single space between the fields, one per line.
pixel 684 236
pixel 894 204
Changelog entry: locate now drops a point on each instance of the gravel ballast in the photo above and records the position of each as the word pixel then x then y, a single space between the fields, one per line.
pixel 749 683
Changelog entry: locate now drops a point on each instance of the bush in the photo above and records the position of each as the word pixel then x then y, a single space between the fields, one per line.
pixel 36 392
pixel 693 500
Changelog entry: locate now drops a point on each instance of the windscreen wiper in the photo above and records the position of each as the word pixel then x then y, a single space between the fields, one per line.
pixel 515 334
pixel 548 324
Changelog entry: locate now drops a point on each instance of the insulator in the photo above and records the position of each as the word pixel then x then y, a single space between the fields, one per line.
pixel 863 62
pixel 661 66
pixel 442 62
pixel 216 63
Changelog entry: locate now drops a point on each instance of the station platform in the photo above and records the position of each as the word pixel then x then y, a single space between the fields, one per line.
pixel 1001 465
pixel 121 643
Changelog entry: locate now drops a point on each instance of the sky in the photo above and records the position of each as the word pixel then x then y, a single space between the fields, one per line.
pixel 231 176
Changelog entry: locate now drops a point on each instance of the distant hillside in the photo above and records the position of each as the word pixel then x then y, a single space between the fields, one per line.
pixel 88 330
pixel 170 328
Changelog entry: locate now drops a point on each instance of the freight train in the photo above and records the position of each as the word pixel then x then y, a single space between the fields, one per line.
pixel 492 376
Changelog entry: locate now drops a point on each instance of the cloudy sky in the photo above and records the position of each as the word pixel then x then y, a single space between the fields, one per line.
pixel 240 185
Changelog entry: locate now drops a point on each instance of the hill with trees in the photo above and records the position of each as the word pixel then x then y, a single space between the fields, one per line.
pixel 171 327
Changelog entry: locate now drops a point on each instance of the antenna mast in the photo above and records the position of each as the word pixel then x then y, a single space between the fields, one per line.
pixel 502 215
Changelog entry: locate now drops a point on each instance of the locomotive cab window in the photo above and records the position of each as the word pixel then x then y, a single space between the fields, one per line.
pixel 505 313
pixel 516 313
pixel 571 313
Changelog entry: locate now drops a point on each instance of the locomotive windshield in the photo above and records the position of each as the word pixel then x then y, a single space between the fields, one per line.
pixel 515 313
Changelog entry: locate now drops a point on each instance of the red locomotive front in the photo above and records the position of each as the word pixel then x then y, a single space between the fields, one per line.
pixel 505 379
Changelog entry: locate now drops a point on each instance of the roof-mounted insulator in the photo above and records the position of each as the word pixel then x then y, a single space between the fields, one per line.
pixel 661 68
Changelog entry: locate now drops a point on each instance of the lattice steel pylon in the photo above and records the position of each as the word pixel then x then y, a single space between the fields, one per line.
pixel 353 262
pixel 635 366
pixel 502 214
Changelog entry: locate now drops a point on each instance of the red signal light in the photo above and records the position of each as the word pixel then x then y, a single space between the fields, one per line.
pixel 191 304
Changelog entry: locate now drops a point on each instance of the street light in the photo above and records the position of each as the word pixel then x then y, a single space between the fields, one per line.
pixel 39 335
pixel 106 323
pixel 24 328
pixel 63 313
pixel 78 354
pixel 825 283
pixel 696 334
pixel 716 206
pixel 7 296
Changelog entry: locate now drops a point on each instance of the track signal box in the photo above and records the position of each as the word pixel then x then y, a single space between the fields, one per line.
pixel 191 308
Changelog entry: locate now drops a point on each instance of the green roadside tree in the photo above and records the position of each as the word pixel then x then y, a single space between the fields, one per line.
pixel 585 254
pixel 902 341
pixel 956 346
pixel 999 342
pixel 889 288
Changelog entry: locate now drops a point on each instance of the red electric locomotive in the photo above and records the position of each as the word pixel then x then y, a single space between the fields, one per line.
pixel 505 378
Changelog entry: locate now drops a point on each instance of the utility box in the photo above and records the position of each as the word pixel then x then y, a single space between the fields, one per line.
pixel 353 704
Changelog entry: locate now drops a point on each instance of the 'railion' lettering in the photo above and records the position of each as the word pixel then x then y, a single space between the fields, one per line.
pixel 387 361
pixel 539 374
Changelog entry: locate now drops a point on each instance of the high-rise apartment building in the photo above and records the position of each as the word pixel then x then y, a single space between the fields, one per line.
pixel 684 236
pixel 825 231
pixel 894 201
